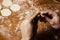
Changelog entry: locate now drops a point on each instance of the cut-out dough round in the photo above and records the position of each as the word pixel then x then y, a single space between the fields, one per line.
pixel 6 3
pixel 15 7
pixel 5 12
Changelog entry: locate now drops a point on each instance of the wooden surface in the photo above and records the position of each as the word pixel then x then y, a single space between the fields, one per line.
pixel 8 32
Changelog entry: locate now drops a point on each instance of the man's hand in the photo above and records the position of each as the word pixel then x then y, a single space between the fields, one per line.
pixel 55 20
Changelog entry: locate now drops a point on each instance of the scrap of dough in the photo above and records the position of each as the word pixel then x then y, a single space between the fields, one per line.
pixel 6 3
pixel 5 12
pixel 15 7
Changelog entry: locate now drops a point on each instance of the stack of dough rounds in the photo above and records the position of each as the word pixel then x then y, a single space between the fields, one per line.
pixel 13 7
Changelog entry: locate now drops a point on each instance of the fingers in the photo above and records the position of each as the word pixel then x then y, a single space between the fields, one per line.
pixel 47 15
pixel 54 20
pixel 48 19
pixel 50 14
pixel 53 13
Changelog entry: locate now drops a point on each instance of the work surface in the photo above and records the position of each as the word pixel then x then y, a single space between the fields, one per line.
pixel 9 24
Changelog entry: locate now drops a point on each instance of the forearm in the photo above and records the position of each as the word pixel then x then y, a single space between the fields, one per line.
pixel 26 30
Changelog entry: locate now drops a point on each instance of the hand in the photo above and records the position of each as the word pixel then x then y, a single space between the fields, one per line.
pixel 55 20
pixel 26 27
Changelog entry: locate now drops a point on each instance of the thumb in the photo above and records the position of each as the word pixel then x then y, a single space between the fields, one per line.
pixel 48 19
